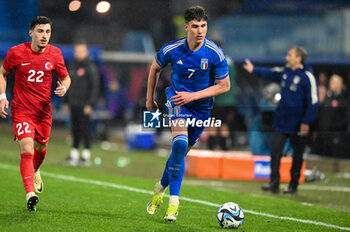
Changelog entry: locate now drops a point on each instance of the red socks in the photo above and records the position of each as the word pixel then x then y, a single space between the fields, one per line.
pixel 28 163
pixel 27 171
pixel 39 157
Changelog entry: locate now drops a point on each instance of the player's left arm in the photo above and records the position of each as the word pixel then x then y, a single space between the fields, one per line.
pixel 312 104
pixel 222 86
pixel 61 71
pixel 62 86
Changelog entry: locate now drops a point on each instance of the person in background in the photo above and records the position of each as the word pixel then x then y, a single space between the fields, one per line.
pixel 81 101
pixel 319 125
pixel 323 79
pixel 333 120
pixel 295 112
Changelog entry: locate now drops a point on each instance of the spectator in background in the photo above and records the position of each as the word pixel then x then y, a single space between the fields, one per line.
pixel 116 99
pixel 81 100
pixel 295 112
pixel 333 119
pixel 336 103
pixel 322 93
pixel 318 127
pixel 323 79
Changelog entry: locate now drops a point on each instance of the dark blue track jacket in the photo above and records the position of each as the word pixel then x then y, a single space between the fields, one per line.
pixel 299 97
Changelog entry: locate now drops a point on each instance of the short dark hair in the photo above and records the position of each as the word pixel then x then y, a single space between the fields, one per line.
pixel 195 13
pixel 39 20
pixel 300 51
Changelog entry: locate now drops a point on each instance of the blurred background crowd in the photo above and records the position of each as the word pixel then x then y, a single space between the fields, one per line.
pixel 123 37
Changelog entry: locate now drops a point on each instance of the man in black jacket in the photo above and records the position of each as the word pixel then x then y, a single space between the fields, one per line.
pixel 81 100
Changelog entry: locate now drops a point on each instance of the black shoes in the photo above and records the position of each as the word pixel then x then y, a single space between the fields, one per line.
pixel 290 190
pixel 273 187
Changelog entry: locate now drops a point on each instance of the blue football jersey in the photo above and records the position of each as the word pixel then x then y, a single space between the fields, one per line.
pixel 193 71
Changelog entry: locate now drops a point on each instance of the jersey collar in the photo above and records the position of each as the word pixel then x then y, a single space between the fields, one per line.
pixel 188 48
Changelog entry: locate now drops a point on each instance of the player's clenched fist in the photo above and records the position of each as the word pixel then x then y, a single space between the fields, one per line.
pixel 60 90
pixel 4 104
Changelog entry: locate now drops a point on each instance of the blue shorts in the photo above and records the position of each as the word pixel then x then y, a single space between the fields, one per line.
pixel 188 113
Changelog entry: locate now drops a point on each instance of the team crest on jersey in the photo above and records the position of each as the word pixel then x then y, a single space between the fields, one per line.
pixel 296 80
pixel 48 66
pixel 204 64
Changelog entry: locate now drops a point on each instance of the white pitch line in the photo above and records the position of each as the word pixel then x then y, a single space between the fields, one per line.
pixel 326 188
pixel 123 187
pixel 221 184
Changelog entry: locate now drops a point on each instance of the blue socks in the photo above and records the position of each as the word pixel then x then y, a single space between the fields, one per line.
pixel 165 178
pixel 175 166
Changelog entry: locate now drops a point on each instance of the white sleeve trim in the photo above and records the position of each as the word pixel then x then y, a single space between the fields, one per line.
pixel 278 69
pixel 314 97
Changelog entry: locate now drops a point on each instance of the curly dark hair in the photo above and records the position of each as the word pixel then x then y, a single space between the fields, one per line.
pixel 195 13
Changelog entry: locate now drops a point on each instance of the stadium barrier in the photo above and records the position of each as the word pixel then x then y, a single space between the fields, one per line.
pixel 235 165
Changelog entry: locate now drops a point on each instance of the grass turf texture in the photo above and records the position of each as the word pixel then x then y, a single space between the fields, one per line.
pixel 74 206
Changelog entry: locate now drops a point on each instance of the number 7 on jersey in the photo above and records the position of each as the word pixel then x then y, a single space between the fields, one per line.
pixel 192 71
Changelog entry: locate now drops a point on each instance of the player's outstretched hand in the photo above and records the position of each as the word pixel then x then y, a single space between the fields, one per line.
pixel 4 104
pixel 60 90
pixel 248 66
pixel 182 98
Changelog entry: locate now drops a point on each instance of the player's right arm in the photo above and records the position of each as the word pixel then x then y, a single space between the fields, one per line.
pixel 161 60
pixel 273 74
pixel 153 77
pixel 4 103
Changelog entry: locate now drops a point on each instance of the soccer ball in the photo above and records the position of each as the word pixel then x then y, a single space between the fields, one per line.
pixel 230 215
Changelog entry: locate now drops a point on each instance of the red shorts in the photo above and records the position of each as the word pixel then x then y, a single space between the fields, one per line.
pixel 37 128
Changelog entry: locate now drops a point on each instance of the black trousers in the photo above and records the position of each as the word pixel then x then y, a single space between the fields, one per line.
pixel 277 144
pixel 80 127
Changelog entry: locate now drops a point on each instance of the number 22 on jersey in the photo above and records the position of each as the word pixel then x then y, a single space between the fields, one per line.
pixel 20 126
pixel 35 76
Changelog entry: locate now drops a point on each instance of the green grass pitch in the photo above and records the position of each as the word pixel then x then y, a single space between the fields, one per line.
pixel 112 198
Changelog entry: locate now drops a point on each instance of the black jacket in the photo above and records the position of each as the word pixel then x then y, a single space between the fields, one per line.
pixel 334 114
pixel 84 89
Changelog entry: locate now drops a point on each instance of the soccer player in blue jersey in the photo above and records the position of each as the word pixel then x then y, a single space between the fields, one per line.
pixel 199 72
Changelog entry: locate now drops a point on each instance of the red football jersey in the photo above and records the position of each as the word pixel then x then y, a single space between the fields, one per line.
pixel 33 78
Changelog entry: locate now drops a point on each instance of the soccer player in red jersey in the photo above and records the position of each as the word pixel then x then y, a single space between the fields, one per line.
pixel 31 110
